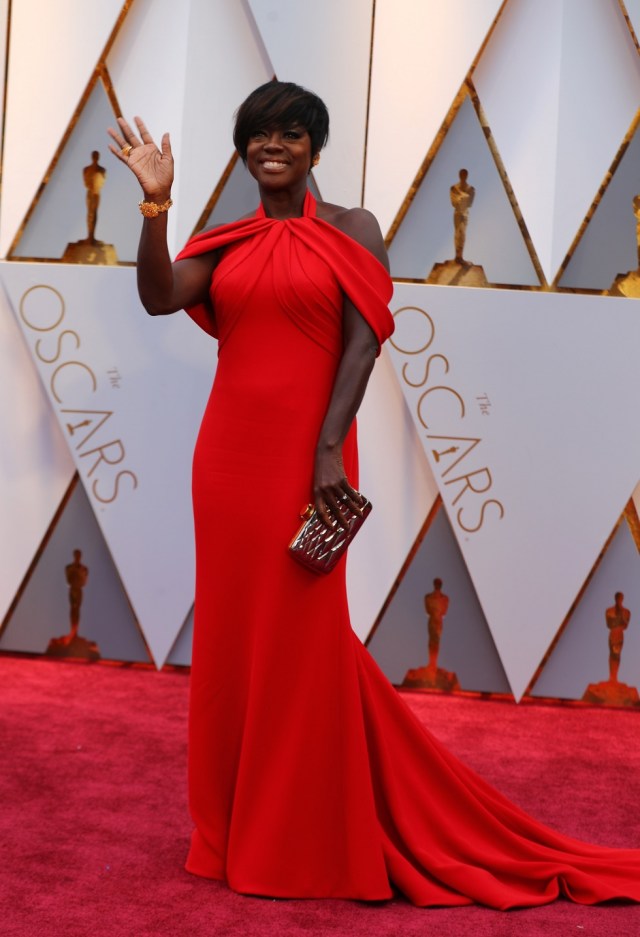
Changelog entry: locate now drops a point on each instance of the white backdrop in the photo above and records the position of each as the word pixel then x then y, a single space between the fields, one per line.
pixel 557 85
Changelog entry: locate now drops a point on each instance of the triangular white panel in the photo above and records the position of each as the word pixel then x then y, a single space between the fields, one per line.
pixel 60 216
pixel 128 391
pixel 560 84
pixel 421 55
pixel 53 51
pixel 35 466
pixel 581 656
pixel 609 245
pixel 493 238
pixel 43 610
pixel 330 55
pixel 534 454
pixel 401 640
pixel 213 47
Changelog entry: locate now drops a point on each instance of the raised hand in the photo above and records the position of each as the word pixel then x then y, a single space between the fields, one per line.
pixel 152 167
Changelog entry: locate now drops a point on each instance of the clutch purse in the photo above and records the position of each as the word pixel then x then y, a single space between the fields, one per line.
pixel 318 547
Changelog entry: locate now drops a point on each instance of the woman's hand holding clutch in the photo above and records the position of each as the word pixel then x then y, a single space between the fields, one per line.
pixel 331 487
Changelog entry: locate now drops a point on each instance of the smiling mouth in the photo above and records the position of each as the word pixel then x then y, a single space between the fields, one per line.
pixel 273 164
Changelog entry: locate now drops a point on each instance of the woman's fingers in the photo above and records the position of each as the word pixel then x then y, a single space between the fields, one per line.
pixel 335 506
pixel 145 136
pixel 128 134
pixel 125 137
pixel 165 146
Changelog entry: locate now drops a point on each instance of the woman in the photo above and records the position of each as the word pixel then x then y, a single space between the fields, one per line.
pixel 308 776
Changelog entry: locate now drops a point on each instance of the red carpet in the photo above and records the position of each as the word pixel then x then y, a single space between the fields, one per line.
pixel 94 829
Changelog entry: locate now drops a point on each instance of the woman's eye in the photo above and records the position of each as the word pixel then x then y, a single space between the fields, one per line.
pixel 292 134
pixel 258 133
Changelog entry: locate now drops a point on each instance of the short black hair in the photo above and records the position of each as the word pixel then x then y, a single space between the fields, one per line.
pixel 278 104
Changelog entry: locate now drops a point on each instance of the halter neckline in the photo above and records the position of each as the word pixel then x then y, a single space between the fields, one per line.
pixel 308 209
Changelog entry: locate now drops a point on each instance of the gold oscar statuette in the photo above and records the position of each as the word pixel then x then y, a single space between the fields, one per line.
pixel 611 692
pixel 72 644
pixel 628 284
pixel 436 605
pixel 459 272
pixel 90 250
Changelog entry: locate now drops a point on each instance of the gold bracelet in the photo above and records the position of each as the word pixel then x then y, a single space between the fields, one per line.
pixel 152 209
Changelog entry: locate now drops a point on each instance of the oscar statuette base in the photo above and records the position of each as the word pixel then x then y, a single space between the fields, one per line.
pixel 90 252
pixel 611 693
pixel 454 273
pixel 76 647
pixel 431 678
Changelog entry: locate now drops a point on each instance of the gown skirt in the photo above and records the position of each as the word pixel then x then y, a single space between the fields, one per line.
pixel 308 775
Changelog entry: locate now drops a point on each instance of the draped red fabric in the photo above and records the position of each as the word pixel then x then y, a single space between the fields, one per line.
pixel 291 243
pixel 308 775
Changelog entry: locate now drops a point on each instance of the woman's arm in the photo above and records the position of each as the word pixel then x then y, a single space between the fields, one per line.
pixel 360 347
pixel 164 287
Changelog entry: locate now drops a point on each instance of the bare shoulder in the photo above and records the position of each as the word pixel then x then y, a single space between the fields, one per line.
pixel 359 224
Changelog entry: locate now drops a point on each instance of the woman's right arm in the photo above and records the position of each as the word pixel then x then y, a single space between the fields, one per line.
pixel 164 287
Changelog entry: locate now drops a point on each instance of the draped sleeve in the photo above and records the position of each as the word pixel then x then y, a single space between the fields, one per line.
pixel 212 240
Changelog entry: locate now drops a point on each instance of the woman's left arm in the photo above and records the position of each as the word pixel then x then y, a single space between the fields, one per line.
pixel 359 350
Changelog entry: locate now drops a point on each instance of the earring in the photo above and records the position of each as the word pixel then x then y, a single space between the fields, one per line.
pixel 315 160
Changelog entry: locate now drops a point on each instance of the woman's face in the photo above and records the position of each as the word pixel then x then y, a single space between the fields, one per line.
pixel 279 157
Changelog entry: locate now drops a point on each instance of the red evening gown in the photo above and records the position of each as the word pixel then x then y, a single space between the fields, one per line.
pixel 308 775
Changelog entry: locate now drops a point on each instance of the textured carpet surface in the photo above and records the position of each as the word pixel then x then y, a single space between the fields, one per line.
pixel 94 826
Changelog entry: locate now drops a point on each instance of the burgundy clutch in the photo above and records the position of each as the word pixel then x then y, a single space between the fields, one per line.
pixel 319 548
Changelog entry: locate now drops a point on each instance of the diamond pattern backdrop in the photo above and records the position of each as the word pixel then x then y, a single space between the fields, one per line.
pixel 558 89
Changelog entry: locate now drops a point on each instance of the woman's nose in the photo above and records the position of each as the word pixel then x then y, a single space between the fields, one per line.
pixel 273 141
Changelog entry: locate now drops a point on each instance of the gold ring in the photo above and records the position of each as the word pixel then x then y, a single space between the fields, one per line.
pixel 126 149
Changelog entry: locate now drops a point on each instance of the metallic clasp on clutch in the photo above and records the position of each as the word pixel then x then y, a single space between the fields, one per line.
pixel 306 512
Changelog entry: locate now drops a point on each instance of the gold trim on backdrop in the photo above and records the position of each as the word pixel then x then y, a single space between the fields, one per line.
pixel 633 522
pixel 99 73
pixel 6 85
pixel 107 84
pixel 484 123
pixel 435 507
pixel 604 185
pixel 366 119
pixel 40 550
pixel 57 260
pixel 421 281
pixel 543 663
pixel 441 134
pixel 215 195
pixel 625 13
